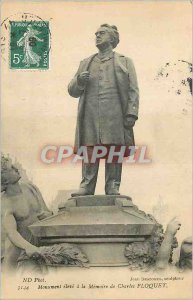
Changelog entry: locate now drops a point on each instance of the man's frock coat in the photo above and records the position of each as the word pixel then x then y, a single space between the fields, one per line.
pixel 129 98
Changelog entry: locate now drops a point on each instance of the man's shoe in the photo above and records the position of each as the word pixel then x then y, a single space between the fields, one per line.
pixel 81 192
pixel 113 192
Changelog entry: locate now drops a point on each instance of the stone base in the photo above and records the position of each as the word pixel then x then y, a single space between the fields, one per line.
pixel 105 254
pixel 101 226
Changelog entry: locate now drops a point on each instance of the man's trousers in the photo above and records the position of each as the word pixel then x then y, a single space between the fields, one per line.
pixel 112 177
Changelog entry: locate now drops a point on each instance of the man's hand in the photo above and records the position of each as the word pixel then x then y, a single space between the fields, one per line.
pixel 173 226
pixel 44 214
pixel 83 78
pixel 129 122
pixel 32 251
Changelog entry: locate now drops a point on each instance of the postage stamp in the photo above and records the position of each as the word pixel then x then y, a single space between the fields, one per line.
pixel 29 45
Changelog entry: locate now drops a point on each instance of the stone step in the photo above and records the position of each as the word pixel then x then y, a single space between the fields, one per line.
pixel 97 200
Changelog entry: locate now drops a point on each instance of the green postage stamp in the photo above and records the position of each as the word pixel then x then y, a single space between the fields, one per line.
pixel 29 44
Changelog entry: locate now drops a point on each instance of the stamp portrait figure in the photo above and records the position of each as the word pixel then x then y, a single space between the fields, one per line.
pixel 27 40
pixel 106 84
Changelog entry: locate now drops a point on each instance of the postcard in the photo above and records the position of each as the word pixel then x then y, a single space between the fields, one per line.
pixel 96 181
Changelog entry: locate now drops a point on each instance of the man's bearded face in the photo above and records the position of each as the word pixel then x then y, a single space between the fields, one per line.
pixel 103 37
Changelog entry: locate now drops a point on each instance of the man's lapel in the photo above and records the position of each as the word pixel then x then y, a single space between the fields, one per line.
pixel 86 62
pixel 120 62
pixel 122 77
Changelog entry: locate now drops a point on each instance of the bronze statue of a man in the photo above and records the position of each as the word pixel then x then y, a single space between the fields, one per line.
pixel 106 83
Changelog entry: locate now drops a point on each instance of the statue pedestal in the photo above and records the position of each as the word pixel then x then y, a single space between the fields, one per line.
pixel 100 225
